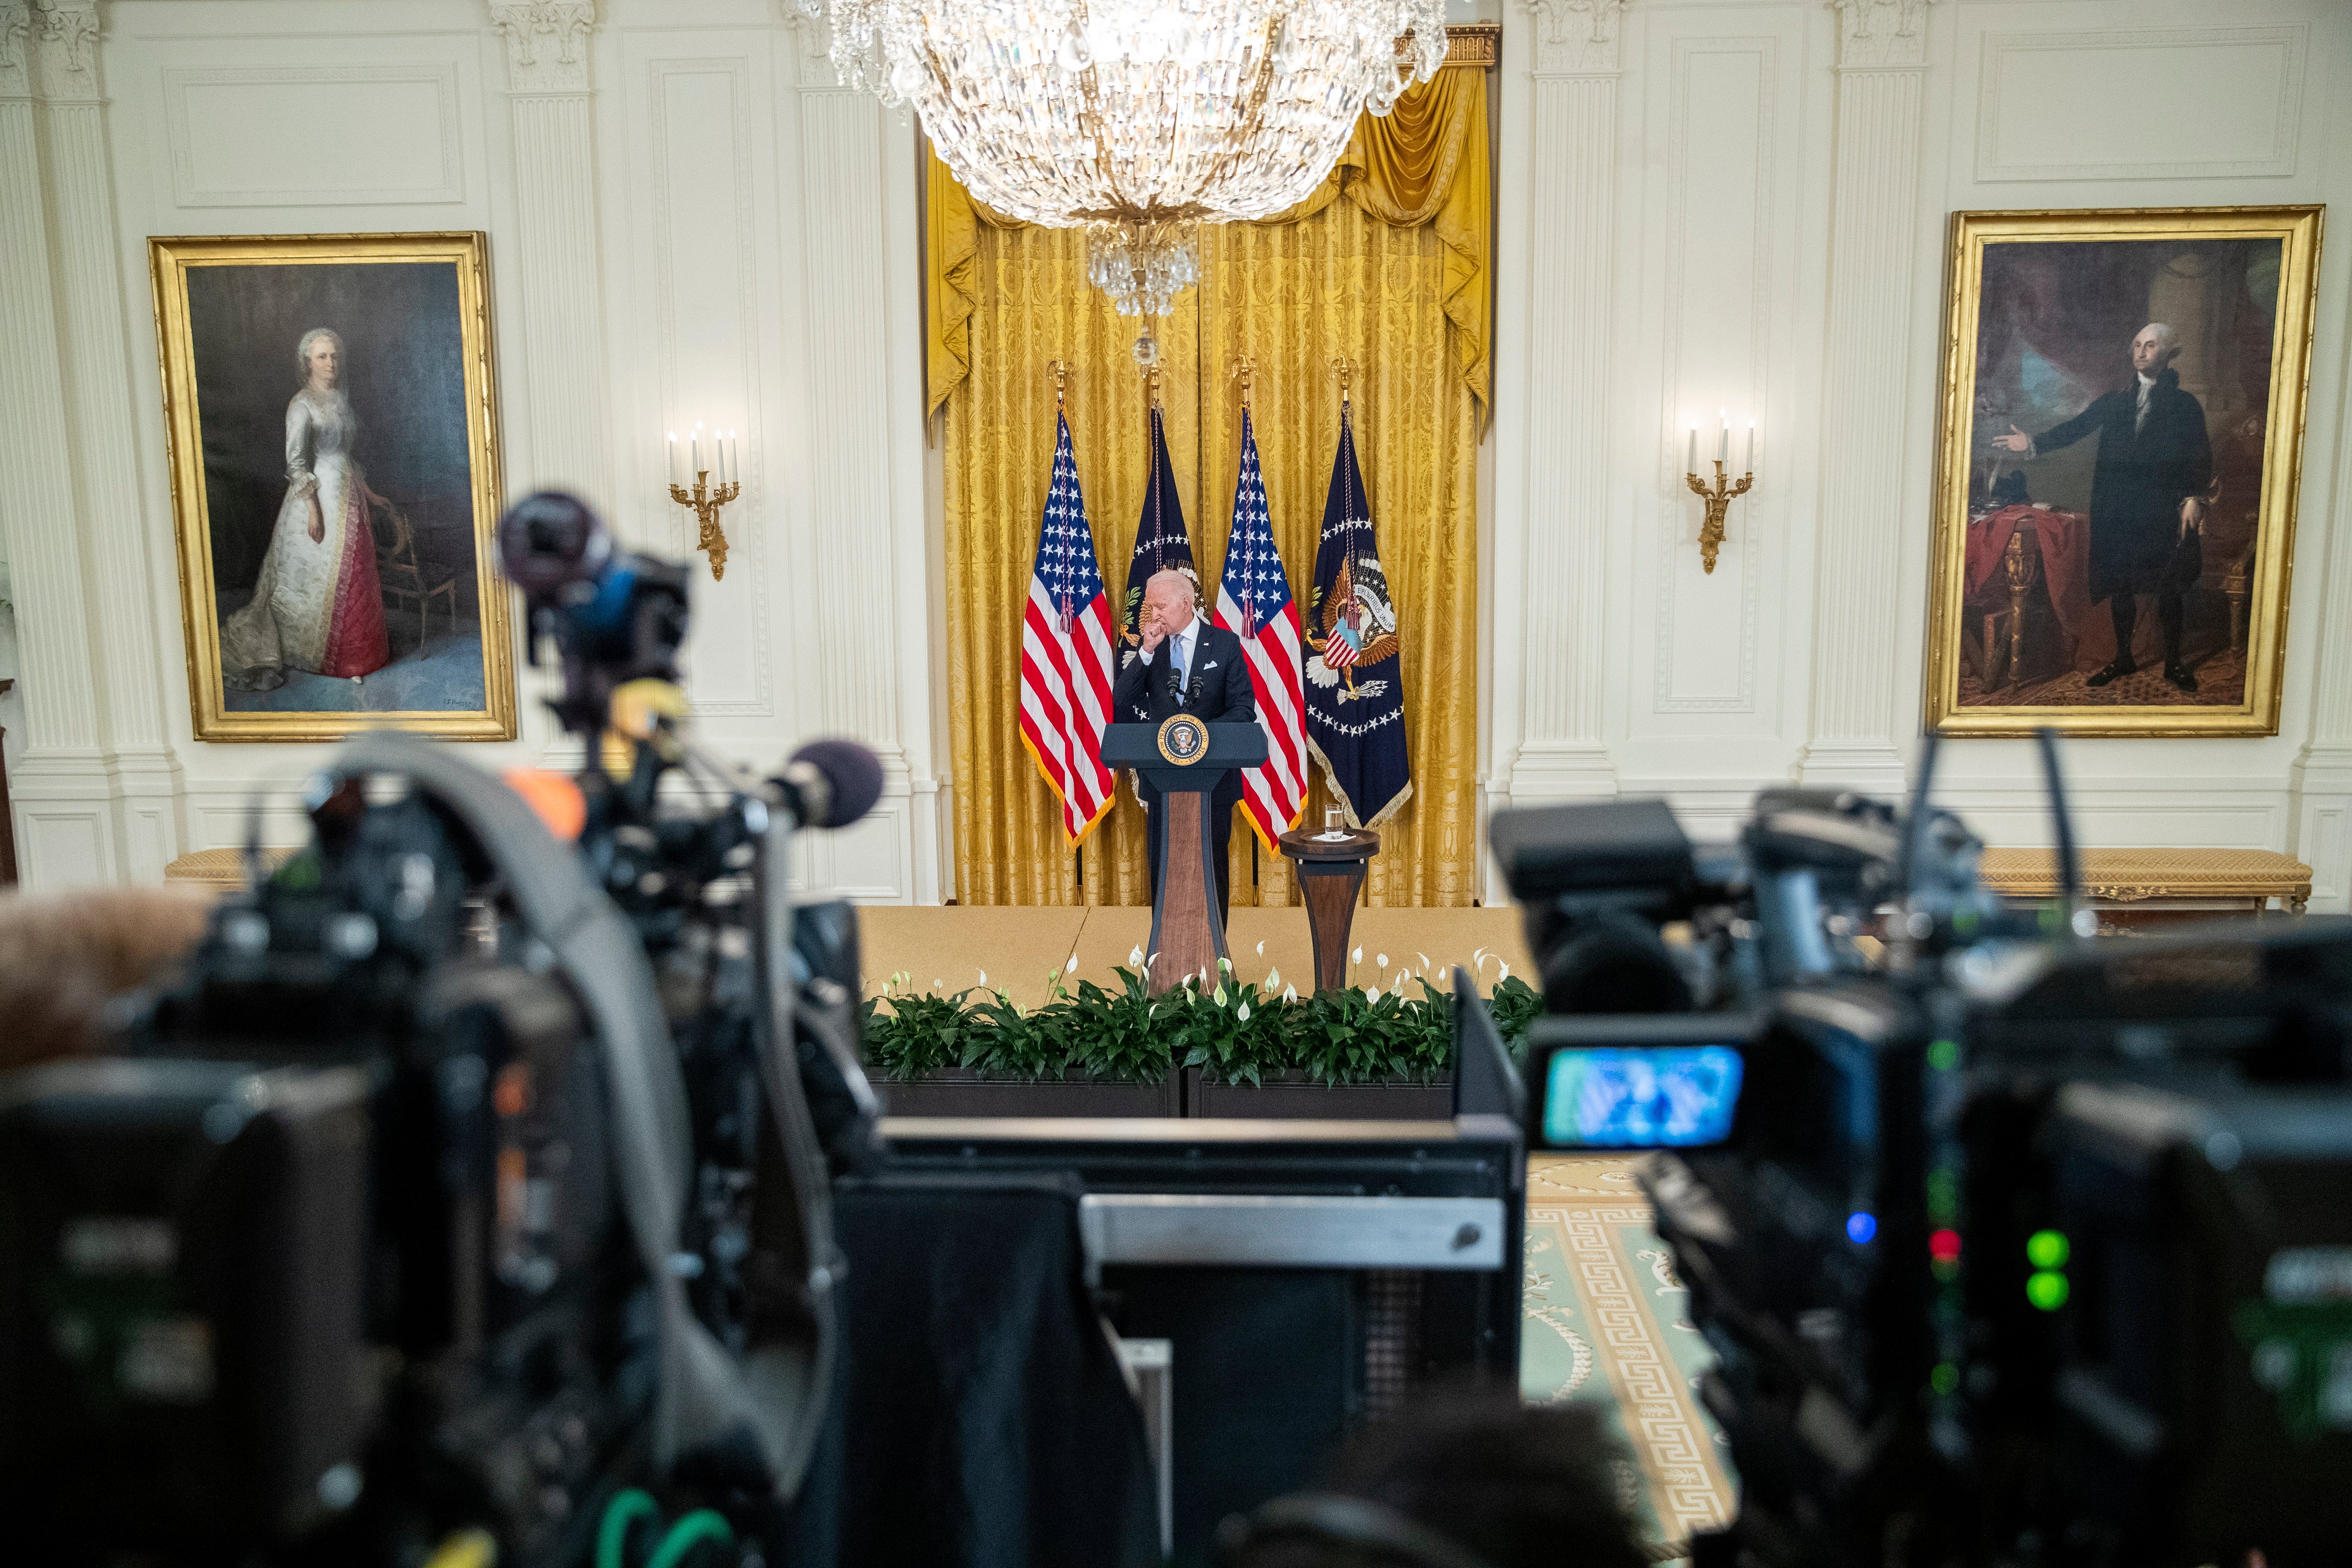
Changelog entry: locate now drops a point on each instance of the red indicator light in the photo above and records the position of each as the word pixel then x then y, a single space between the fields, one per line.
pixel 1944 1247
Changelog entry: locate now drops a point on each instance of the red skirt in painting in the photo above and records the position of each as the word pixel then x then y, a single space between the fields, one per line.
pixel 356 643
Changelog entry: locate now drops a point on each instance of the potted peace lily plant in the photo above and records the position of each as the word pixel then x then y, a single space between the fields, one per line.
pixel 1216 1045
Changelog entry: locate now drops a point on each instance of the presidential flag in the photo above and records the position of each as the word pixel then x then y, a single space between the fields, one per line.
pixel 1355 700
pixel 1065 652
pixel 1161 542
pixel 1253 603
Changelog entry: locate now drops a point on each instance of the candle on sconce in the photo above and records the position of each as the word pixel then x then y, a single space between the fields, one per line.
pixel 698 469
pixel 1690 464
pixel 1751 446
pixel 673 456
pixel 1723 446
pixel 734 460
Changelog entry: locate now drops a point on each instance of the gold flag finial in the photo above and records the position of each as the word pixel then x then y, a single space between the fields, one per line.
pixel 1345 369
pixel 1244 371
pixel 1061 369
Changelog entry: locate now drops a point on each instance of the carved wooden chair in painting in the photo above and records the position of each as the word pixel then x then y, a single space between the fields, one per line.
pixel 404 577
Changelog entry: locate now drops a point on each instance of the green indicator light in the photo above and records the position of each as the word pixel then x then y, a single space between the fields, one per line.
pixel 2046 1289
pixel 1963 922
pixel 1944 1055
pixel 2051 919
pixel 2047 1249
pixel 1945 1269
pixel 1946 1378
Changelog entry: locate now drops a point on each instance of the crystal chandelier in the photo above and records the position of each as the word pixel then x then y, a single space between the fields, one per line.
pixel 1138 118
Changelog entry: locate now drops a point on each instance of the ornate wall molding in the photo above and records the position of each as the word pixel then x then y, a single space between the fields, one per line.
pixel 15 49
pixel 1576 37
pixel 1882 34
pixel 48 48
pixel 547 44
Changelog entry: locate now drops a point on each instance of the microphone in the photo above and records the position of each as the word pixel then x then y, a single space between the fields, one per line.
pixel 831 784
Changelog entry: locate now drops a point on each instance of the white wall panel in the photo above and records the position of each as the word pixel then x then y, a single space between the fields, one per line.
pixel 323 135
pixel 2171 103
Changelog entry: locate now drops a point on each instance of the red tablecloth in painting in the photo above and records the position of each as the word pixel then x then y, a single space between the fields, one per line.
pixel 2066 540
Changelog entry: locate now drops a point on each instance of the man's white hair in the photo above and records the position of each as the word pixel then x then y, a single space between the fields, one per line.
pixel 2166 338
pixel 1191 590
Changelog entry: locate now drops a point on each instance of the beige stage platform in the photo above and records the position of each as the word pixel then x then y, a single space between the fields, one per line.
pixel 1021 950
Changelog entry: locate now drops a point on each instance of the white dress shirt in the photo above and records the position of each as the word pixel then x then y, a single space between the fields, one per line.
pixel 2140 417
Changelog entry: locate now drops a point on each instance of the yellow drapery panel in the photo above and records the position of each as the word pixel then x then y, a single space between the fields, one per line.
pixel 1424 162
pixel 1330 277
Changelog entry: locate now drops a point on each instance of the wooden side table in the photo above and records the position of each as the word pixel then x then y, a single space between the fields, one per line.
pixel 2137 889
pixel 1331 873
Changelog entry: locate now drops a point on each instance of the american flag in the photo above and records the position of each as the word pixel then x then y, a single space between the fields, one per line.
pixel 1253 603
pixel 1066 653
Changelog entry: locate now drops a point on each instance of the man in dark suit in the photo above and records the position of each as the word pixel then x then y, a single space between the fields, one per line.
pixel 2148 496
pixel 1185 666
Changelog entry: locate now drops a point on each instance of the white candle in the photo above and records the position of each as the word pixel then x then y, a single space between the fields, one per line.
pixel 697 441
pixel 1751 446
pixel 673 456
pixel 1690 465
pixel 1723 446
pixel 734 461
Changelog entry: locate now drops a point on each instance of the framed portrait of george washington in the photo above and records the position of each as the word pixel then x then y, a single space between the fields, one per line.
pixel 2120 445
pixel 333 448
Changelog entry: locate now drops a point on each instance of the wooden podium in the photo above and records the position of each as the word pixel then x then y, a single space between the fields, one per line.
pixel 1186 758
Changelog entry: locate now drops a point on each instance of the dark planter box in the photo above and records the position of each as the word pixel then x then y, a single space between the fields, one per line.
pixel 961 1092
pixel 1297 1096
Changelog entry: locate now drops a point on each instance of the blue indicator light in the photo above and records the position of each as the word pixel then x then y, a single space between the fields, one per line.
pixel 1860 1228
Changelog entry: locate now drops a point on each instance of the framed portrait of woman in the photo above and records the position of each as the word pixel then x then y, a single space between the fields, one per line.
pixel 2121 444
pixel 334 452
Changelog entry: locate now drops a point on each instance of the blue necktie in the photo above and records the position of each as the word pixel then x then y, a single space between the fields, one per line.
pixel 1176 665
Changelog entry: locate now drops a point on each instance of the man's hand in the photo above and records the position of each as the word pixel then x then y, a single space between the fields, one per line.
pixel 2016 440
pixel 2192 515
pixel 1154 633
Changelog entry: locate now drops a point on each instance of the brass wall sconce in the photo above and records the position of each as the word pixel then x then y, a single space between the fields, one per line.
pixel 1718 496
pixel 706 498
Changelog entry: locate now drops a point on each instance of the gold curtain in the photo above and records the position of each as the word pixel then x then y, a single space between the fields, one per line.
pixel 1393 279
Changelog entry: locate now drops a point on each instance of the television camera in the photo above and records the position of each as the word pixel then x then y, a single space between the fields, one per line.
pixel 472 1187
pixel 2012 1248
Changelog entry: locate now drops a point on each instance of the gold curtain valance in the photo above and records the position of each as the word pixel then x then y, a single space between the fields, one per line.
pixel 1424 162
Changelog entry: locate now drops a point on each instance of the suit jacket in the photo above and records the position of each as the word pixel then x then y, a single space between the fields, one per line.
pixel 2143 473
pixel 1218 690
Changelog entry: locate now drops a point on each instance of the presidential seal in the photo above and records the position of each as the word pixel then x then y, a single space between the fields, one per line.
pixel 1185 740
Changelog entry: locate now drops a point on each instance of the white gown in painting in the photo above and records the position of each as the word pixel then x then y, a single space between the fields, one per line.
pixel 317 605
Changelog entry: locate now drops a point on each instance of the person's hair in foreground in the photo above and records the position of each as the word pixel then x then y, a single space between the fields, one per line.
pixel 1461 1481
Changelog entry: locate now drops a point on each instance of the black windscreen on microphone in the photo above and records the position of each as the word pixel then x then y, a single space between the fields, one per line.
pixel 835 781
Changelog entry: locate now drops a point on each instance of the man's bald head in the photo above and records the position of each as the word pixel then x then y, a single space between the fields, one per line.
pixel 1173 588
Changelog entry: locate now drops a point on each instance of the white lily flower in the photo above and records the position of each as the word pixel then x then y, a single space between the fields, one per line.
pixel 1240 1015
pixel 1074 966
pixel 1371 993
pixel 1261 950
pixel 1356 956
pixel 1290 993
pixel 1134 955
pixel 1220 994
pixel 1273 979
pixel 1383 962
pixel 1225 966
pixel 983 977
pixel 1425 962
pixel 1505 969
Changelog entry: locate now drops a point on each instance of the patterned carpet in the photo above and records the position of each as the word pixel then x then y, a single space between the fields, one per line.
pixel 1605 1322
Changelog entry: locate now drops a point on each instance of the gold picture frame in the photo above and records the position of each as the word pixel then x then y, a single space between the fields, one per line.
pixel 2045 559
pixel 390 441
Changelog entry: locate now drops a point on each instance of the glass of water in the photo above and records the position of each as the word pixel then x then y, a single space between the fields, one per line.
pixel 1335 822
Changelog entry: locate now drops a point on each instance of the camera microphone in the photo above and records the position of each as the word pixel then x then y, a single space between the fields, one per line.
pixel 831 784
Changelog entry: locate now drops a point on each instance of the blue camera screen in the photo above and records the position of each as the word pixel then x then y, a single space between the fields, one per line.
pixel 1665 1097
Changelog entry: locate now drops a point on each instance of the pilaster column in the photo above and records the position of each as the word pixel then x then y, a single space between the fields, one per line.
pixel 561 404
pixel 867 549
pixel 95 357
pixel 1857 738
pixel 64 817
pixel 1554 503
pixel 2320 779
